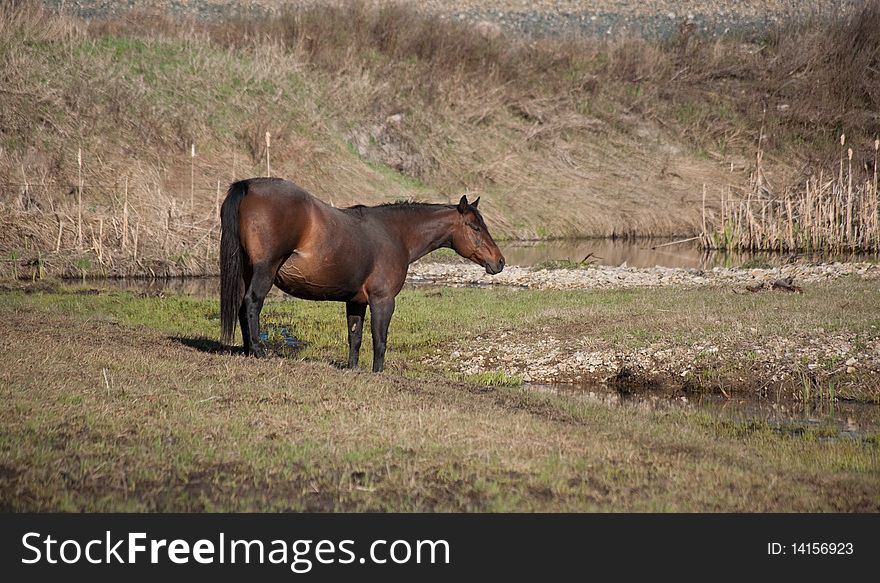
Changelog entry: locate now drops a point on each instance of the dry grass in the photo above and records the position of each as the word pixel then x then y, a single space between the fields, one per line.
pixel 837 212
pixel 560 136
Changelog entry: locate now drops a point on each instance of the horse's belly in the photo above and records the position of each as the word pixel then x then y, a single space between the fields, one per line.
pixel 307 283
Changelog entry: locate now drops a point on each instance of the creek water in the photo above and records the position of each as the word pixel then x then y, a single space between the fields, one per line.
pixel 632 252
pixel 833 419
pixel 650 253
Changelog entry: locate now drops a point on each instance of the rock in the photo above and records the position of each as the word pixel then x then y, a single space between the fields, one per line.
pixel 488 30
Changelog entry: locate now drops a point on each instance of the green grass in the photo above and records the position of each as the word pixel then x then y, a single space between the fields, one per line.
pixel 563 264
pixel 495 378
pixel 119 402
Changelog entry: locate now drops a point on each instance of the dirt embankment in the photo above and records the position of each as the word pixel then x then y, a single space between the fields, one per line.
pixel 560 136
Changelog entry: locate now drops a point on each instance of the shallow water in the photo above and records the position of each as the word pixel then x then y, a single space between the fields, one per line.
pixel 649 253
pixel 614 252
pixel 838 419
pixel 196 287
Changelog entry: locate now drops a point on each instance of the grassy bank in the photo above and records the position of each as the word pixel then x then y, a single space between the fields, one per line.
pixel 560 136
pixel 120 402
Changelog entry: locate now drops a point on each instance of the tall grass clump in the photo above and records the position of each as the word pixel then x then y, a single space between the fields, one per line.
pixel 833 211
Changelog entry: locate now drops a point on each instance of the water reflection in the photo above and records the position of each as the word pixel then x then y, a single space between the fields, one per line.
pixel 197 287
pixel 836 419
pixel 651 253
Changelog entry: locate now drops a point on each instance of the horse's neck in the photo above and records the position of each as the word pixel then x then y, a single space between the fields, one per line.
pixel 424 230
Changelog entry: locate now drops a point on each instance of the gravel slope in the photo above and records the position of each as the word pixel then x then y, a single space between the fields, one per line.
pixel 651 17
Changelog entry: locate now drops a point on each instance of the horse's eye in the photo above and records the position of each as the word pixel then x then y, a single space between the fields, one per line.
pixel 476 228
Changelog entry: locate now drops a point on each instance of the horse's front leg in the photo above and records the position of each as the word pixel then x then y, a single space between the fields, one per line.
pixel 355 312
pixel 381 310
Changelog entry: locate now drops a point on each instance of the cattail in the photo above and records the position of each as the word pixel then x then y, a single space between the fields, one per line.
pixel 168 227
pixel 137 230
pixel 849 201
pixel 832 214
pixel 192 179
pixel 60 232
pixel 876 200
pixel 101 241
pixel 268 143
pixel 125 215
pixel 704 211
pixel 79 204
pixel 876 148
pixel 208 243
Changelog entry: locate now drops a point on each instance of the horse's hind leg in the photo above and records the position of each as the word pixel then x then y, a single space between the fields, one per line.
pixel 245 329
pixel 247 273
pixel 261 282
pixel 355 315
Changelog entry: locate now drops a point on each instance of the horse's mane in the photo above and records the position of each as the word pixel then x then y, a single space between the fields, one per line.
pixel 414 204
pixel 407 203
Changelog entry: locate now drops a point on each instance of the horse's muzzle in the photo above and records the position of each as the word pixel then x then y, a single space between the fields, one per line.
pixel 496 267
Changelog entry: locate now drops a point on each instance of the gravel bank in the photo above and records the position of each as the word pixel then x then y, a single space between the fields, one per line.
pixel 742 360
pixel 773 364
pixel 605 17
pixel 602 277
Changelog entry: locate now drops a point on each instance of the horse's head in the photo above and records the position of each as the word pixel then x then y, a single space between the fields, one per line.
pixel 471 238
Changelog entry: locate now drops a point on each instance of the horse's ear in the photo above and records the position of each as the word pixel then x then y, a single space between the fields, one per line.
pixel 476 202
pixel 463 204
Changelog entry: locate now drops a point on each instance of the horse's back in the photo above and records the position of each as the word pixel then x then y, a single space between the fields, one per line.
pixel 277 189
pixel 274 217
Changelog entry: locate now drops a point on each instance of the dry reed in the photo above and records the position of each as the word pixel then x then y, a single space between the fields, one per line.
pixel 830 213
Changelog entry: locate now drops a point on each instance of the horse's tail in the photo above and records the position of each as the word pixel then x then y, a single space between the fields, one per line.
pixel 231 259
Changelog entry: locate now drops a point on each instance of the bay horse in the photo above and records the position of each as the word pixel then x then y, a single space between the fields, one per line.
pixel 273 231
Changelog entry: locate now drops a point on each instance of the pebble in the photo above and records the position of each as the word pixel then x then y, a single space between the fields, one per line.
pixel 607 277
pixel 584 360
pixel 649 17
pixel 579 359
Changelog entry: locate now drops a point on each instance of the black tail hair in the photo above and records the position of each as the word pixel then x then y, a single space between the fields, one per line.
pixel 231 259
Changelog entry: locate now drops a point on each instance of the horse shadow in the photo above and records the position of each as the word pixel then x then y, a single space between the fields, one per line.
pixel 286 347
pixel 203 344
